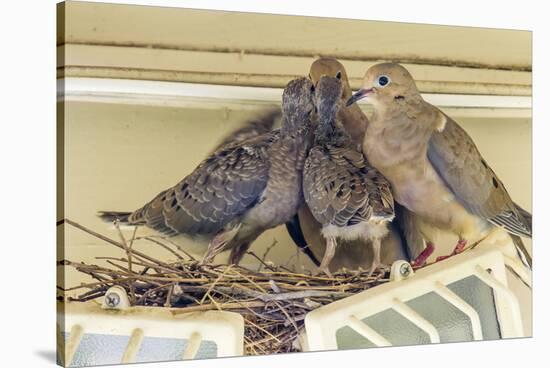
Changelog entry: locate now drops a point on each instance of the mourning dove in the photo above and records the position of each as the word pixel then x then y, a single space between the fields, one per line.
pixel 353 119
pixel 433 165
pixel 262 124
pixel 348 197
pixel 241 190
pixel 403 240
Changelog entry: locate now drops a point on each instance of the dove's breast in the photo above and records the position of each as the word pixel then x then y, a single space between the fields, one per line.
pixel 419 188
pixel 398 149
pixel 283 193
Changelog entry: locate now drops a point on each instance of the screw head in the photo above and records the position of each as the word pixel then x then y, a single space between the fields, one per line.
pixel 112 300
pixel 405 269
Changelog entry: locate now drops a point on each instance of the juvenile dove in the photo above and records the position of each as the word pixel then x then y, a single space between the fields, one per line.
pixel 262 124
pixel 348 197
pixel 433 165
pixel 241 190
pixel 352 118
pixel 403 240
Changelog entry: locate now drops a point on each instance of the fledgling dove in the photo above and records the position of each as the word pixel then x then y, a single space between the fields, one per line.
pixel 350 199
pixel 433 165
pixel 352 118
pixel 403 240
pixel 242 190
pixel 262 124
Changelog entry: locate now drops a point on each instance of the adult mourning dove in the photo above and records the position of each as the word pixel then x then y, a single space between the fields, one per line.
pixel 241 190
pixel 433 165
pixel 403 241
pixel 348 197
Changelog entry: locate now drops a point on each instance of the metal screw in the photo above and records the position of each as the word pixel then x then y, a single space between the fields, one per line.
pixel 405 270
pixel 112 300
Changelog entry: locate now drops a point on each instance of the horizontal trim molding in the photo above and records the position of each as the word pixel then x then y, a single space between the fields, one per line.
pixel 176 94
pixel 232 68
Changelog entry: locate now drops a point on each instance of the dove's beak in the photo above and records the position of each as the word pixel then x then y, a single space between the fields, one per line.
pixel 362 93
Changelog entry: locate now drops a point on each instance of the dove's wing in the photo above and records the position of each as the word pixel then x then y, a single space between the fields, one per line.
pixel 262 124
pixel 221 188
pixel 342 190
pixel 458 162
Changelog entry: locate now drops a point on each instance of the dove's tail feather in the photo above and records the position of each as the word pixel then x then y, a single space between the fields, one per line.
pixel 522 251
pixel 110 216
pixel 526 215
pixel 513 222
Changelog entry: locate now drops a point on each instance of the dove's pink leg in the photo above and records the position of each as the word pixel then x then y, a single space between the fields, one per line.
pixel 423 256
pixel 329 255
pixel 459 248
pixel 238 253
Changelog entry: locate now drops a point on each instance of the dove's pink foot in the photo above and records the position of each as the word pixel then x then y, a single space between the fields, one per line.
pixel 459 248
pixel 423 256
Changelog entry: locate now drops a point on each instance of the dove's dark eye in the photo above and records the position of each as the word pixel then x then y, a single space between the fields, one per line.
pixel 312 88
pixel 339 75
pixel 383 80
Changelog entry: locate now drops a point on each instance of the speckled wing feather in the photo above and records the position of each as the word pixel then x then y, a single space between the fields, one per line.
pixel 151 214
pixel 458 162
pixel 342 190
pixel 220 189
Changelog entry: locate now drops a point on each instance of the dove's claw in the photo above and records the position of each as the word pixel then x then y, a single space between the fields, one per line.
pixel 459 248
pixel 423 256
pixel 323 271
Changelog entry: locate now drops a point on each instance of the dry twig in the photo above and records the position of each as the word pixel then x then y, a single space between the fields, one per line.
pixel 273 302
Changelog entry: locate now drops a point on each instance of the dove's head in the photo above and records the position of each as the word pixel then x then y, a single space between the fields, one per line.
pixel 298 102
pixel 328 100
pixel 328 97
pixel 331 68
pixel 386 83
